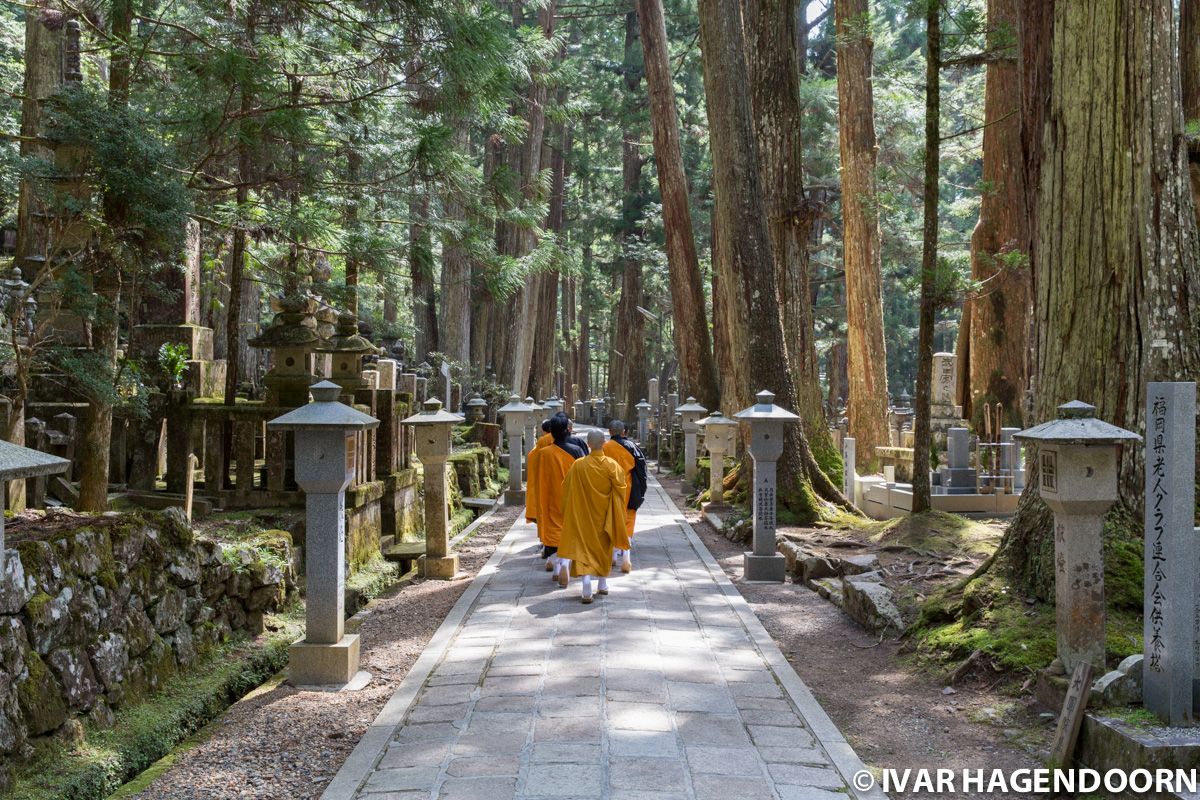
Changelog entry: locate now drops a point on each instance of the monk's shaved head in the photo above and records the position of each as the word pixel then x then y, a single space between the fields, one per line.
pixel 595 439
pixel 616 427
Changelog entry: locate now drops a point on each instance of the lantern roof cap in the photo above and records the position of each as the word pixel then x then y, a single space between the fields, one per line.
pixel 765 408
pixel 325 411
pixel 717 418
pixel 1076 424
pixel 432 413
pixel 691 407
pixel 514 406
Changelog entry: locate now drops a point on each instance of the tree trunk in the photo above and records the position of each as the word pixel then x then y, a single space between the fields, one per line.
pixel 455 335
pixel 745 244
pixel 1117 281
pixel 922 435
pixel 775 95
pixel 544 359
pixel 629 370
pixel 697 369
pixel 866 360
pixel 1189 72
pixel 97 426
pixel 996 323
pixel 420 267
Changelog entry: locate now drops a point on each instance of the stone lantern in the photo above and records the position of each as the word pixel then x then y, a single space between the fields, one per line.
pixel 533 422
pixel 291 338
pixel 19 463
pixel 515 413
pixel 326 453
pixel 767 422
pixel 346 349
pixel 720 433
pixel 476 409
pixel 432 432
pixel 553 406
pixel 1077 470
pixel 643 428
pixel 689 414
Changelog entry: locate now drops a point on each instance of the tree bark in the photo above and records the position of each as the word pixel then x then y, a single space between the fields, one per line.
pixel 866 360
pixel 1189 72
pixel 697 368
pixel 420 270
pixel 1117 280
pixel 775 96
pixel 996 327
pixel 922 435
pixel 455 335
pixel 746 245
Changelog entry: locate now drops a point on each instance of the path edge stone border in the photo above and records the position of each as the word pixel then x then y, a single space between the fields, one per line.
pixel 371 747
pixel 841 754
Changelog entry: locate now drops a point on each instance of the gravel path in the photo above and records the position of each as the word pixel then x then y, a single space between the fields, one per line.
pixel 286 743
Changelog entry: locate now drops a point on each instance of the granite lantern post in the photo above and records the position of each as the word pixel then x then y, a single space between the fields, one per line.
pixel 720 433
pixel 476 409
pixel 432 431
pixel 689 414
pixel 533 422
pixel 515 413
pixel 18 463
pixel 326 434
pixel 767 422
pixel 1172 650
pixel 1077 469
pixel 643 422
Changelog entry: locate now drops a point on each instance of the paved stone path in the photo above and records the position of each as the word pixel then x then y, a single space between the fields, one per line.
pixel 667 688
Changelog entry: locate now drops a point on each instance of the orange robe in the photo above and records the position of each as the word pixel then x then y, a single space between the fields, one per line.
pixel 594 521
pixel 626 462
pixel 531 483
pixel 553 464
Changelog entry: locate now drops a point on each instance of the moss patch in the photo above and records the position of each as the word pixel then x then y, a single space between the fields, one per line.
pixel 928 533
pixel 145 732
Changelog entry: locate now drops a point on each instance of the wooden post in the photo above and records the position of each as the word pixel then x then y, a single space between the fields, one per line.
pixel 192 463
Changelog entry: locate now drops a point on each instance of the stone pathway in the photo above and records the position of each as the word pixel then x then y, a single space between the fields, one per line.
pixel 667 688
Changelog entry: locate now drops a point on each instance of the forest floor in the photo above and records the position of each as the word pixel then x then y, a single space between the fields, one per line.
pixel 280 742
pixel 892 708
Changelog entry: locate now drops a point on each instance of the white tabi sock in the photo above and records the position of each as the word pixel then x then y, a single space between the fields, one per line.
pixel 603 584
pixel 587 585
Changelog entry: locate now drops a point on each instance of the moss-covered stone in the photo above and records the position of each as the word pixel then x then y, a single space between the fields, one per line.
pixel 40 697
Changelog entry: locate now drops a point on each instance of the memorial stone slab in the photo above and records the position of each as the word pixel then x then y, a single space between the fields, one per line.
pixel 388 370
pixel 1172 558
pixel 958 477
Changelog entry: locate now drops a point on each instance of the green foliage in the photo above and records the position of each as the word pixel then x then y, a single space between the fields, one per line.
pixel 173 358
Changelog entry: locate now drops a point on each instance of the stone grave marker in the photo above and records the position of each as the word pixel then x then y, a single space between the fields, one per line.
pixel 767 422
pixel 1172 649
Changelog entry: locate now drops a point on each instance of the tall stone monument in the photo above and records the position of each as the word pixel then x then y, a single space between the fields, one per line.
pixel 326 434
pixel 943 412
pixel 1171 664
pixel 1077 470
pixel 767 422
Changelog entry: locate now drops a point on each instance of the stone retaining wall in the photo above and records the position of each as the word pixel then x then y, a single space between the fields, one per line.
pixel 98 615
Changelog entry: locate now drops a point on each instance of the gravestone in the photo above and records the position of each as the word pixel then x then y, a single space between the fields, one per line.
pixel 767 422
pixel 1077 466
pixel 1172 649
pixel 600 412
pixel 326 441
pixel 943 413
pixel 387 369
pixel 958 477
pixel 643 422
pixel 422 391
pixel 447 391
pixel 653 399
pixel 406 382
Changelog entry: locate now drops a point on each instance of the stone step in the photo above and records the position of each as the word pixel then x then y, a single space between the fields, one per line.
pixel 479 503
pixel 405 554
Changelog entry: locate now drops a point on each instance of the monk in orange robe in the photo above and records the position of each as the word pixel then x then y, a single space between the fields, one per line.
pixel 531 484
pixel 594 520
pixel 553 463
pixel 633 466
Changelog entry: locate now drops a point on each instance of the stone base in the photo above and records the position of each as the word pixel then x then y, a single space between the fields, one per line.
pixel 514 497
pixel 444 568
pixel 313 664
pixel 764 568
pixel 714 508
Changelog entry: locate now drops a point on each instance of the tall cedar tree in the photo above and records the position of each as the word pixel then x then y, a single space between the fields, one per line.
pixel 866 361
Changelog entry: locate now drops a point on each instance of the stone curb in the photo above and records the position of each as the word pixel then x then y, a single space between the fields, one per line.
pixel 830 739
pixel 358 767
